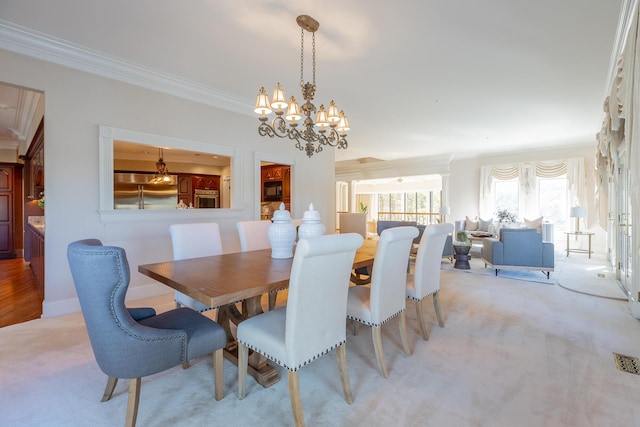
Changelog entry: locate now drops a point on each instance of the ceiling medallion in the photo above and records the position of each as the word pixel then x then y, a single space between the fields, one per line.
pixel 332 126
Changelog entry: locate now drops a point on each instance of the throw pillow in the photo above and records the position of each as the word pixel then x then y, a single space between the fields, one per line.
pixel 534 223
pixel 483 225
pixel 470 225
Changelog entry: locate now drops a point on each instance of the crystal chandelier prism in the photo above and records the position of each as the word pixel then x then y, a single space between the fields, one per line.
pixel 331 126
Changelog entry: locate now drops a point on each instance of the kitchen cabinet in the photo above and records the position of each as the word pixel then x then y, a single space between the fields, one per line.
pixel 6 212
pixel 205 182
pixel 286 185
pixel 276 173
pixel 185 189
pixel 34 163
pixel 10 210
pixel 36 239
pixel 272 173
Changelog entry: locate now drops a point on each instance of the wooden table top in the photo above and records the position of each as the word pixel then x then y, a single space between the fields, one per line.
pixel 228 278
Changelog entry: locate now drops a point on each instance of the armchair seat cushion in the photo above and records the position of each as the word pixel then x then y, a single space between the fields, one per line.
pixel 202 331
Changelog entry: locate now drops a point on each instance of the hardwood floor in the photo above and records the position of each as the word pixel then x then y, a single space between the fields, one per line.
pixel 19 296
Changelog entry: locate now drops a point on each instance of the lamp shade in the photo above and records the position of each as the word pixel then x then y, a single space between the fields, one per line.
pixel 277 100
pixel 445 210
pixel 262 103
pixel 578 212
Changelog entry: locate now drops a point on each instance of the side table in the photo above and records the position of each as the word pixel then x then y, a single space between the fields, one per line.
pixel 461 255
pixel 580 233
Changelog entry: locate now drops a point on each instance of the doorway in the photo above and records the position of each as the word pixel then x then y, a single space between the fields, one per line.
pixel 21 127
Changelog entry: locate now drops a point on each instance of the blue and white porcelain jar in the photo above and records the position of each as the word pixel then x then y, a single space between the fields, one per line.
pixel 311 225
pixel 282 234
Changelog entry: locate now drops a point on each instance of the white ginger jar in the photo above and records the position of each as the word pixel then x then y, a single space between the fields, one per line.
pixel 311 225
pixel 282 234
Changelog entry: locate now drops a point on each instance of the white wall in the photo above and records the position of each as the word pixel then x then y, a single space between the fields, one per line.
pixel 76 103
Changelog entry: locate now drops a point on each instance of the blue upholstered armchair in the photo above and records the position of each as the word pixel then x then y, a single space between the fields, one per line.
pixel 518 249
pixel 134 343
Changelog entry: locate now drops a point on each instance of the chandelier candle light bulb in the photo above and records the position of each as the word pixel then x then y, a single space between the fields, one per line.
pixel 333 126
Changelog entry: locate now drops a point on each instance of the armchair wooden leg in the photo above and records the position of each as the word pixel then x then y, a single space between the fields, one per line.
pixel 108 391
pixel 185 365
pixel 243 360
pixel 218 373
pixel 294 396
pixel 403 334
pixel 377 347
pixel 436 305
pixel 420 315
pixel 344 373
pixel 134 399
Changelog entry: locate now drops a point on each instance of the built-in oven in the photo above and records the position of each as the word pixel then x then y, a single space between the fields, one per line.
pixel 206 199
pixel 272 191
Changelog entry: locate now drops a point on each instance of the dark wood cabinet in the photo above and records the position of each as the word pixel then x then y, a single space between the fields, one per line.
pixel 286 185
pixel 34 163
pixel 36 242
pixel 205 182
pixel 272 173
pixel 277 173
pixel 187 184
pixel 185 190
pixel 10 209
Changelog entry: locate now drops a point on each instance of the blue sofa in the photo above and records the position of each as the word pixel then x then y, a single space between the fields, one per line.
pixel 518 249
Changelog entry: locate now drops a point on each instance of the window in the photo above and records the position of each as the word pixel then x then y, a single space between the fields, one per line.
pixel 506 196
pixel 552 197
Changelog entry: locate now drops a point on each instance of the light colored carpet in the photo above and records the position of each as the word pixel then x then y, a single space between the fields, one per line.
pixel 512 353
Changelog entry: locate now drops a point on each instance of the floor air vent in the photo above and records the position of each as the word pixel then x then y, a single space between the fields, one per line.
pixel 627 363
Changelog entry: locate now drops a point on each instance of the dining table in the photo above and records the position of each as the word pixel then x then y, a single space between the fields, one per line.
pixel 234 283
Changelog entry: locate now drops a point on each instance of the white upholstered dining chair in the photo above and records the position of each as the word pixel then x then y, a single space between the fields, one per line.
pixel 313 321
pixel 194 240
pixel 385 298
pixel 254 235
pixel 426 278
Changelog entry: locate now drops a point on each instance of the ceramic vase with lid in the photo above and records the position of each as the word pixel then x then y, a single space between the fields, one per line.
pixel 282 234
pixel 311 225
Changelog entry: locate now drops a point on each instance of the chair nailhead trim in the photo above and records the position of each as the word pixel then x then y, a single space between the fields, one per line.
pixel 283 364
pixel 364 322
pixel 420 299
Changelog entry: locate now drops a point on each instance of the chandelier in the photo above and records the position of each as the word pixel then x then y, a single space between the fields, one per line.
pixel 162 172
pixel 332 126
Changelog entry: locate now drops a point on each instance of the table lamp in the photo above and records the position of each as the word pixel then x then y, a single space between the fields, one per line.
pixel 578 212
pixel 444 211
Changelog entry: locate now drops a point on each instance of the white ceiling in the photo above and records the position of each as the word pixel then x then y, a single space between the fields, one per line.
pixel 415 78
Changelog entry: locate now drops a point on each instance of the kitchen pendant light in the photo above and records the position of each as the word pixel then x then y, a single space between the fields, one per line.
pixel 162 172
pixel 332 125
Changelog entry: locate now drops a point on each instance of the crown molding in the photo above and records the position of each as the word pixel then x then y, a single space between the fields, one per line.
pixel 28 42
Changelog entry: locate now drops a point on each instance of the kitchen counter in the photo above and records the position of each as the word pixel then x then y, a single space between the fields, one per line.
pixel 37 223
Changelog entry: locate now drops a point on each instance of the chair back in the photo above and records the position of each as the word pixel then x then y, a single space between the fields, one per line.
pixel 427 270
pixel 317 300
pixel 195 240
pixel 353 223
pixel 121 346
pixel 389 274
pixel 254 235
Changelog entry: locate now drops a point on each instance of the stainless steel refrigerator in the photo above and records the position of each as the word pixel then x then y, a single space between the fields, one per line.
pixel 133 191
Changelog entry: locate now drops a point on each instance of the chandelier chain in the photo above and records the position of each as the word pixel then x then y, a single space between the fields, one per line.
pixel 302 57
pixel 313 45
pixel 313 38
